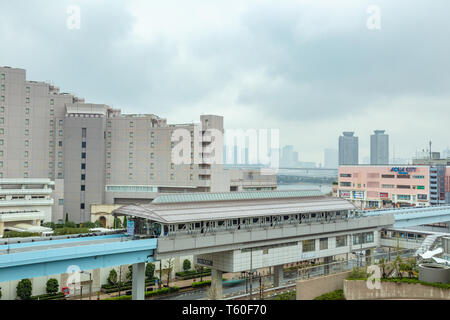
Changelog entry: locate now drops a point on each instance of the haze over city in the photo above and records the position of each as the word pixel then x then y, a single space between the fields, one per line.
pixel 309 68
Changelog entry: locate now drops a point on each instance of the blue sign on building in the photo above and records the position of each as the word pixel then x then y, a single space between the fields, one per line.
pixel 405 170
pixel 130 227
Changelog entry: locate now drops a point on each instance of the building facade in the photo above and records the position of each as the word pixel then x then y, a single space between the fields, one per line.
pixel 348 149
pixel 378 186
pixel 379 147
pixel 94 154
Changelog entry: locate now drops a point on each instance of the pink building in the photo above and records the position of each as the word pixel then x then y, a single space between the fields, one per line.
pixel 377 186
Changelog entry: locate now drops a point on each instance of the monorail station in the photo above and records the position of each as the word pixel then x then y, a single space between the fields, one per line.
pixel 235 232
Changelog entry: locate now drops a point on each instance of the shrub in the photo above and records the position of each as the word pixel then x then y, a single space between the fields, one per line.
pixel 98 224
pixel 51 225
pixel 286 296
pixel 130 272
pixel 200 284
pixel 335 295
pixel 117 223
pixel 24 289
pixel 149 270
pixel 16 234
pixel 186 265
pixel 52 286
pixel 112 278
pixel 358 273
pixel 70 224
pixel 66 230
pixel 87 224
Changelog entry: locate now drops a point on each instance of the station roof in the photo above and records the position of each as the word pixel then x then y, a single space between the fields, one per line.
pixel 230 196
pixel 234 205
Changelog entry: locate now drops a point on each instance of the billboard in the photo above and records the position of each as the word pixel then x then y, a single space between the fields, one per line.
pixel 130 227
pixel 344 194
pixel 358 195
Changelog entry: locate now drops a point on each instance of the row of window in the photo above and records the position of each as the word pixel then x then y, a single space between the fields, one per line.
pixel 341 241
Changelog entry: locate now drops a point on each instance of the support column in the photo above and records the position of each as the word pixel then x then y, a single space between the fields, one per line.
pixel 326 267
pixel 138 286
pixel 216 284
pixel 278 275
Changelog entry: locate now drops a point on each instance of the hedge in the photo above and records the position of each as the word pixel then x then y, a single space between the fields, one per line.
pixel 159 292
pixel 334 295
pixel 48 296
pixel 412 281
pixel 16 234
pixel 197 275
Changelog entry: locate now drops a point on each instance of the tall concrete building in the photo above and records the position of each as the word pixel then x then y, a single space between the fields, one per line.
pixel 379 147
pixel 348 149
pixel 330 158
pixel 93 153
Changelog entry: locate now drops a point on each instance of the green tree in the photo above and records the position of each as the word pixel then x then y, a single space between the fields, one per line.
pixel 112 278
pixel 130 273
pixel 186 265
pixel 24 289
pixel 98 224
pixel 125 222
pixel 117 223
pixel 199 269
pixel 168 269
pixel 67 217
pixel 52 286
pixel 149 270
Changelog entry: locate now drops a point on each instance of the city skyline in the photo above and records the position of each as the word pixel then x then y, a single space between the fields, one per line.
pixel 153 58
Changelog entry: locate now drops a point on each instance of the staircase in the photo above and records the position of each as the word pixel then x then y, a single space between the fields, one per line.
pixel 427 244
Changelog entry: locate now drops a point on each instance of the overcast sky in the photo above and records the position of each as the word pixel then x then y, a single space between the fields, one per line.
pixel 309 68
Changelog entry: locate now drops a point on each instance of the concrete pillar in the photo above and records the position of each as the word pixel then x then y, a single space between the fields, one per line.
pixel 138 287
pixel 326 267
pixel 277 275
pixel 216 284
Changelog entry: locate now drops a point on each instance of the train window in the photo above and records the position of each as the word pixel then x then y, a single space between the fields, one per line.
pixel 197 225
pixel 220 223
pixel 255 220
pixel 286 217
pixel 180 226
pixel 235 221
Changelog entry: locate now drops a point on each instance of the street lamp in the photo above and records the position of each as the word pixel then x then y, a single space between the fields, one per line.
pixel 90 285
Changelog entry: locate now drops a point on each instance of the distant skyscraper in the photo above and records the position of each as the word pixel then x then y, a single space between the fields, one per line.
pixel 379 147
pixel 289 157
pixel 330 158
pixel 348 148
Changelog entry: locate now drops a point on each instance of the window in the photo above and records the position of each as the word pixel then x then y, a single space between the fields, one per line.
pixel 27 100
pixel 50 164
pixel 403 176
pixel 59 164
pixel 52 112
pixel 345 175
pixel 83 188
pixel 131 124
pixel 341 241
pixel 323 243
pixel 2 131
pixel 152 134
pixel 1 142
pixel 60 154
pixel 172 145
pixel 52 102
pixel 2 109
pixel 27 132
pixel 3 87
pixel 60 143
pixel 345 184
pixel 152 165
pixel 83 177
pixel 387 186
pixel 83 155
pixel 26 143
pixel 131 134
pixel 403 187
pixel 1 153
pixel 152 155
pixel 2 120
pixel 190 177
pixel 3 76
pixel 83 144
pixel 152 145
pixel 60 202
pixel 130 155
pixel 83 132
pixel 130 165
pixel 171 176
pixel 151 176
pixel 51 133
pixel 1 164
pixel 3 98
pixel 82 206
pixel 25 164
pixel 27 122
pixel 172 166
pixel 25 175
pixel 388 176
pixel 27 111
pixel 60 133
pixel 309 245
pixel 60 175
pixel 419 177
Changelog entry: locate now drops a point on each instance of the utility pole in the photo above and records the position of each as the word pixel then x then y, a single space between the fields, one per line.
pixel 251 272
